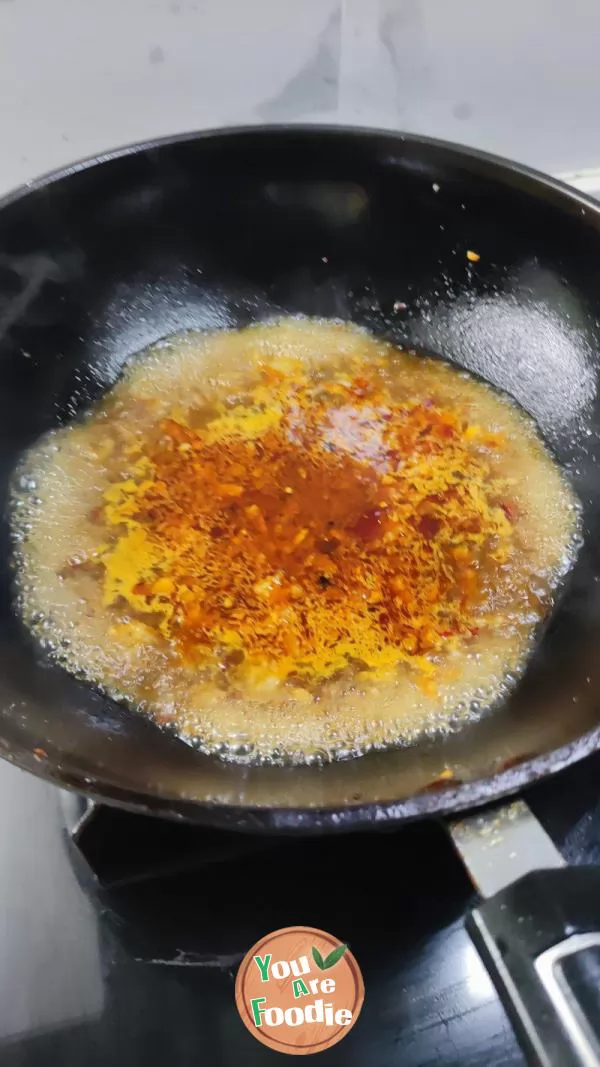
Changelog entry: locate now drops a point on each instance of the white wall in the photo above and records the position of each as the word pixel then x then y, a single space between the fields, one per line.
pixel 78 76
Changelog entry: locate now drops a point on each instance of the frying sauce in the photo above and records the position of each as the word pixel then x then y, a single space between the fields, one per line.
pixel 294 541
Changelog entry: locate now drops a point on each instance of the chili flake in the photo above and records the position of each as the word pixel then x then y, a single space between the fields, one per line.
pixel 355 533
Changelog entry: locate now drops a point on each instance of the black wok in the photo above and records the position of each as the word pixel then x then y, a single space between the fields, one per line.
pixel 226 228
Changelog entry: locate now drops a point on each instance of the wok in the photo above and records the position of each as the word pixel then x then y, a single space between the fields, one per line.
pixel 229 227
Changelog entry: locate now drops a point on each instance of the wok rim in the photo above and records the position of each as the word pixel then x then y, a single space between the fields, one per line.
pixel 437 803
pixel 501 163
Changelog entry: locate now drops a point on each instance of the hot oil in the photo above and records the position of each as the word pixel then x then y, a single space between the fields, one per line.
pixel 294 542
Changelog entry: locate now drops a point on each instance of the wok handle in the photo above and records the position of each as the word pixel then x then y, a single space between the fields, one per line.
pixel 540 941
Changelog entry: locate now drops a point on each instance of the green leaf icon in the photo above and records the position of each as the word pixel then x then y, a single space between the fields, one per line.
pixel 317 957
pixel 333 957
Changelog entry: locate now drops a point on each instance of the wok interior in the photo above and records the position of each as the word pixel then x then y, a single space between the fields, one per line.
pixel 226 230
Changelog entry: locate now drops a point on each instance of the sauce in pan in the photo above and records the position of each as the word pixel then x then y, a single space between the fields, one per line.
pixel 294 541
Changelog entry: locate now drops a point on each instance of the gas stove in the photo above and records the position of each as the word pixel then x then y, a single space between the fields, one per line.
pixel 122 935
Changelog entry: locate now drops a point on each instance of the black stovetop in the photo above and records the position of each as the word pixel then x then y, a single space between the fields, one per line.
pixel 137 967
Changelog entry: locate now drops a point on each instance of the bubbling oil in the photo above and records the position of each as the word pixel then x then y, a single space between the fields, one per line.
pixel 293 542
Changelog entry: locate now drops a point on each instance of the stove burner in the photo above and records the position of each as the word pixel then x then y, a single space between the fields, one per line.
pixel 173 895
pixel 122 848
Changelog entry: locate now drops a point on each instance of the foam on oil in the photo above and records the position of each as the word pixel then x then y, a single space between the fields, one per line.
pixel 60 485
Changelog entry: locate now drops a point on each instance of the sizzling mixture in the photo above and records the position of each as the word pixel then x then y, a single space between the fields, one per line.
pixel 294 541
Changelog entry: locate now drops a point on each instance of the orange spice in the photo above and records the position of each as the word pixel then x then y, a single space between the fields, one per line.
pixel 318 523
